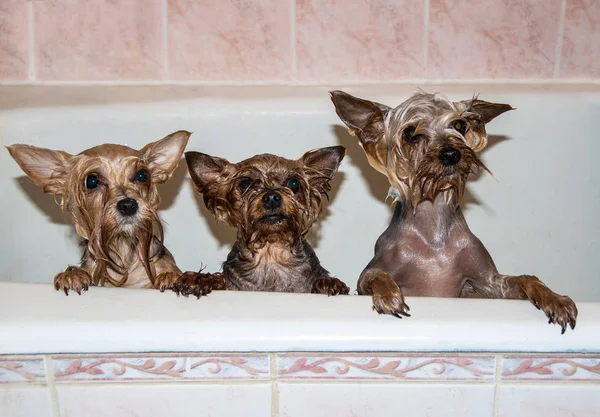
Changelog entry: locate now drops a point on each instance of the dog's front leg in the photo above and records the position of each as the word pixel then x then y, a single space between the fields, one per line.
pixel 166 280
pixel 199 283
pixel 387 297
pixel 330 286
pixel 485 280
pixel 74 278
pixel 560 309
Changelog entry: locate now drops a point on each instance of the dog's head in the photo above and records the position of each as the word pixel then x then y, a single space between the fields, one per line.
pixel 424 146
pixel 266 197
pixel 110 189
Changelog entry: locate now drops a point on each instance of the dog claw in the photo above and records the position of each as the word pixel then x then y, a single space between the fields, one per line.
pixel 559 309
pixel 330 287
pixel 73 278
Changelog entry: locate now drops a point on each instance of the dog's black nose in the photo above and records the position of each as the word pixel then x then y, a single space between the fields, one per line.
pixel 127 206
pixel 449 156
pixel 271 200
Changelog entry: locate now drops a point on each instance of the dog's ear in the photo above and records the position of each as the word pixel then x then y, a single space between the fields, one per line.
pixel 487 111
pixel 321 164
pixel 204 169
pixel 364 118
pixel 478 113
pixel 47 168
pixel 163 156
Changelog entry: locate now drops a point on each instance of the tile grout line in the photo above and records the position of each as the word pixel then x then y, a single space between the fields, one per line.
pixel 426 41
pixel 31 43
pixel 497 378
pixel 274 387
pixel 51 386
pixel 561 31
pixel 293 38
pixel 165 38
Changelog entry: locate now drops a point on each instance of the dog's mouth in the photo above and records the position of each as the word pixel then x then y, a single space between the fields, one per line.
pixel 272 219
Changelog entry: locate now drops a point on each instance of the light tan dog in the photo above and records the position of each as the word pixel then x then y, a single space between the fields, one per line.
pixel 426 147
pixel 110 190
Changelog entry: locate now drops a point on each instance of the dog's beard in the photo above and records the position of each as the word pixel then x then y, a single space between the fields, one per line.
pixel 289 225
pixel 115 240
pixel 432 177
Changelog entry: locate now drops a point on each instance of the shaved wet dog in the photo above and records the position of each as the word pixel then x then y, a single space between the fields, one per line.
pixel 426 147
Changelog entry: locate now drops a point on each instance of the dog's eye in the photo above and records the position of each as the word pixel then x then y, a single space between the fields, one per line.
pixel 141 175
pixel 92 181
pixel 460 126
pixel 294 184
pixel 409 135
pixel 244 184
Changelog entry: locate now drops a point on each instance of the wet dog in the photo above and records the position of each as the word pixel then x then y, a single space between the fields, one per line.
pixel 110 191
pixel 426 147
pixel 272 202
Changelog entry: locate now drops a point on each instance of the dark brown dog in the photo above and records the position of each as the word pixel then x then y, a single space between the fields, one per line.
pixel 426 147
pixel 110 190
pixel 273 202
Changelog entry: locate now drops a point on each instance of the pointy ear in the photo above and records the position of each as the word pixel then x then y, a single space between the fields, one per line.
pixel 478 113
pixel 321 164
pixel 45 167
pixel 487 111
pixel 204 169
pixel 163 156
pixel 364 118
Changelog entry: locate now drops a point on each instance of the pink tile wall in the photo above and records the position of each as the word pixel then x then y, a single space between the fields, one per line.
pixel 306 41
pixel 14 39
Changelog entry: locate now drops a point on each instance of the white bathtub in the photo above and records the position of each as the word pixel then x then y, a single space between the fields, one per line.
pixel 121 352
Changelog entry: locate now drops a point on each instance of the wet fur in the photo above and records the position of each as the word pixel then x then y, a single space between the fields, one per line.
pixel 428 249
pixel 119 251
pixel 268 255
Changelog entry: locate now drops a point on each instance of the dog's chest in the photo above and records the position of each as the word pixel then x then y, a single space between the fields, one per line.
pixel 274 269
pixel 428 264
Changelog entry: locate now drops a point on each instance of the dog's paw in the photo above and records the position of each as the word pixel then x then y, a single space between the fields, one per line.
pixel 197 284
pixel 559 309
pixel 73 278
pixel 391 302
pixel 330 286
pixel 165 281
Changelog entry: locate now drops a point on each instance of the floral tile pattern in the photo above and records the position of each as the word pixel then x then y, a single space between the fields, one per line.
pixel 345 366
pixel 143 368
pixel 17 369
pixel 536 368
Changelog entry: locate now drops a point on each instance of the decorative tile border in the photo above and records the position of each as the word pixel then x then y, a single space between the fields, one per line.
pixel 22 369
pixel 386 366
pixel 301 366
pixel 166 368
pixel 536 368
